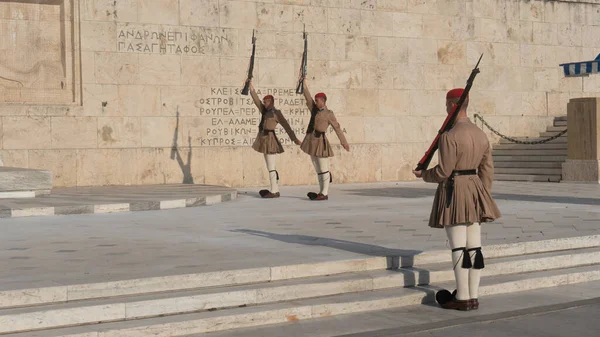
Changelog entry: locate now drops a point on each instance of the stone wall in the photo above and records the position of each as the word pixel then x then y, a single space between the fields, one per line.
pixel 158 72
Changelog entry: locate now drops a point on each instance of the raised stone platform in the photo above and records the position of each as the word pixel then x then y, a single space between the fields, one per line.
pixel 16 182
pixel 113 199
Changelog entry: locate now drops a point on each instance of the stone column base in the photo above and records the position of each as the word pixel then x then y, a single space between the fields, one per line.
pixel 581 171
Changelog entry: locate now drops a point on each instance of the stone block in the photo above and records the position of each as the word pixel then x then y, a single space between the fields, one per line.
pixel 375 23
pixel 409 76
pixel 159 131
pixel 556 12
pixel 345 75
pixel 26 132
pixel 274 17
pixel 199 12
pixel 109 10
pixel 349 167
pixel 225 167
pixel 392 5
pixel 354 127
pixel 117 68
pixel 569 35
pixel 101 100
pixel 411 129
pixel 428 102
pixel 361 48
pixel 74 132
pixel 378 75
pixel 519 31
pixel 439 76
pixel 277 72
pixel 392 49
pixel 422 51
pixel 591 36
pixel 380 130
pixel 438 26
pixel 545 33
pixel 547 79
pixel 581 171
pixel 451 52
pixel 583 118
pixel 13 179
pixel 398 161
pixel 393 102
pixel 15 158
pixel 98 36
pixel 98 167
pixel 62 164
pixel 532 10
pixel 408 25
pixel 343 21
pixel 534 104
pixel 162 166
pixel 491 30
pixel 139 100
pixel 557 103
pixel 238 14
pixel 160 69
pixel 120 132
pixel 159 12
pixel 315 18
pixel 188 101
pixel 199 70
pixel 88 66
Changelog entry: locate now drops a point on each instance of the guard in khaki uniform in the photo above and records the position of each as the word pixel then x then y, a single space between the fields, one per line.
pixel 266 141
pixel 463 200
pixel 315 142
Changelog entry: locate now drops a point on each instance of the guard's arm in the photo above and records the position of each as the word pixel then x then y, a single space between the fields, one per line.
pixel 447 161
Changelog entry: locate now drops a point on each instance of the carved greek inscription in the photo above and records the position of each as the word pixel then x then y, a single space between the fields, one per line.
pixel 172 40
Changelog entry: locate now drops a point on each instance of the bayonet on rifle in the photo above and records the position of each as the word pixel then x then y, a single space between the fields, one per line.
pixel 300 87
pixel 449 122
pixel 251 67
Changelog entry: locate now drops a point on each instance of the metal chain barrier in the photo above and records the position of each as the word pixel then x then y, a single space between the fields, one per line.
pixel 516 140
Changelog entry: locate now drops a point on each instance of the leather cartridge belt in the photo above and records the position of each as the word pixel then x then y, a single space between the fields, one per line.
pixel 318 134
pixel 266 132
pixel 450 183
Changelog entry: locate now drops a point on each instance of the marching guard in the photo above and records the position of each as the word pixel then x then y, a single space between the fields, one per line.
pixel 267 142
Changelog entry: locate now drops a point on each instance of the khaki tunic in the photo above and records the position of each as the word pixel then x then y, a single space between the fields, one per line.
pixel 316 143
pixel 464 147
pixel 267 142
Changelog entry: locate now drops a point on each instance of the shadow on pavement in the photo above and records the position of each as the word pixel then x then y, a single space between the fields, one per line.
pixel 395 257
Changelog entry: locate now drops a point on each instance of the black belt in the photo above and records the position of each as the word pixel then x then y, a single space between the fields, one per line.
pixel 319 134
pixel 266 132
pixel 450 183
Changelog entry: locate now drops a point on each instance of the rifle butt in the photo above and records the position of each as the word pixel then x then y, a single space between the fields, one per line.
pixel 300 87
pixel 246 88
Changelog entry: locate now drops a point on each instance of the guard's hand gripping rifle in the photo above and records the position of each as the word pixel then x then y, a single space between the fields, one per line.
pixel 300 88
pixel 449 122
pixel 251 67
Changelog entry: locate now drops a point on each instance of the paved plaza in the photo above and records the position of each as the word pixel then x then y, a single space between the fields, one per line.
pixel 358 221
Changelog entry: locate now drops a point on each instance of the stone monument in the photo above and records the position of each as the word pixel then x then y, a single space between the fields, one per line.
pixel 583 122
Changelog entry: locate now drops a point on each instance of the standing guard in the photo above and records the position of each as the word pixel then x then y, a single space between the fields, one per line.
pixel 462 201
pixel 266 141
pixel 315 142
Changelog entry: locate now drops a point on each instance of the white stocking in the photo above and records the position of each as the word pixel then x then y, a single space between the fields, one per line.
pixel 317 166
pixel 324 178
pixel 273 175
pixel 457 235
pixel 474 241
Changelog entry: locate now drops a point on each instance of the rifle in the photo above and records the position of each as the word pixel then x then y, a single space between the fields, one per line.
pixel 251 67
pixel 449 122
pixel 300 88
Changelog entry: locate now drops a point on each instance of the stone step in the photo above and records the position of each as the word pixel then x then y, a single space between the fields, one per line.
pixel 527 177
pixel 13 298
pixel 536 152
pixel 552 134
pixel 527 164
pixel 222 298
pixel 18 182
pixel 555 128
pixel 274 313
pixel 559 140
pixel 524 170
pixel 528 158
pixel 545 146
pixel 558 123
